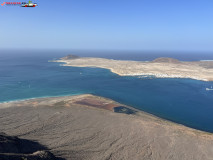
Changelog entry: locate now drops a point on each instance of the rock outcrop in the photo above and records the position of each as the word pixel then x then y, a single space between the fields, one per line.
pixel 11 147
pixel 70 56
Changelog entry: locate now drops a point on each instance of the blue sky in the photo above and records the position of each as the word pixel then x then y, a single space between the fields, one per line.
pixel 159 25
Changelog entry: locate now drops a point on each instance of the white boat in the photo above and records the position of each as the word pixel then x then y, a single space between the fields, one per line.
pixel 209 89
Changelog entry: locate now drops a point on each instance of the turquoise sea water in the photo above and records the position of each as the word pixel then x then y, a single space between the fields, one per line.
pixel 184 101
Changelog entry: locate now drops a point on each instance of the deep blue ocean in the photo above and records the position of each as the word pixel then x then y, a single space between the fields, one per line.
pixel 28 74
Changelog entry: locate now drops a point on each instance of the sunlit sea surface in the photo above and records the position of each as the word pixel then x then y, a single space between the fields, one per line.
pixel 30 75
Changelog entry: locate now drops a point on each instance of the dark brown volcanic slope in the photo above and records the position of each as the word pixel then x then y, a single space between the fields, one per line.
pixel 76 130
pixel 166 60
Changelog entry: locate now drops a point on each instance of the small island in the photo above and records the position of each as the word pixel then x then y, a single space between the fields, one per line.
pixel 160 67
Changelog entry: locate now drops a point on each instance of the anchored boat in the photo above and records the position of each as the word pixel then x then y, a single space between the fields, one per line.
pixel 209 89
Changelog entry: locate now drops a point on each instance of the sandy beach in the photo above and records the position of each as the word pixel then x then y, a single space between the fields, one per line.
pixel 161 67
pixel 86 127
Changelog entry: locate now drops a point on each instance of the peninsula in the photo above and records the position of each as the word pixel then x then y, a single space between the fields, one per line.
pixel 87 127
pixel 160 67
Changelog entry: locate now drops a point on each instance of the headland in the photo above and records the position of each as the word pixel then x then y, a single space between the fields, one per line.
pixel 92 127
pixel 160 67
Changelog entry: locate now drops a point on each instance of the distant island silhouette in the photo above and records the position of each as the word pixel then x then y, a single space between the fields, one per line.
pixel 163 67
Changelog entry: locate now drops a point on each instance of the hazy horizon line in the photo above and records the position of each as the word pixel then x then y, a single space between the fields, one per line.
pixel 105 50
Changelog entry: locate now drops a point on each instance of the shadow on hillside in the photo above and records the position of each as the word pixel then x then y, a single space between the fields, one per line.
pixel 21 149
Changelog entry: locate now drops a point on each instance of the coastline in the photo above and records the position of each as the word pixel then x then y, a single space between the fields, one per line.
pixel 163 68
pixel 26 99
pixel 72 125
pixel 54 99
